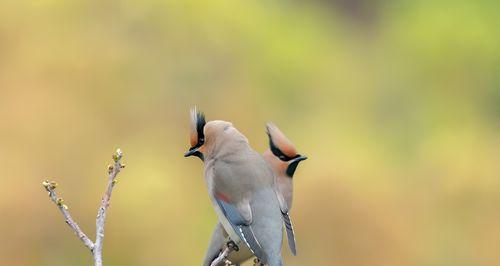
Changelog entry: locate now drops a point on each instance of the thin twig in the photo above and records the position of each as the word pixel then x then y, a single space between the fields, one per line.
pixel 94 247
pixel 50 187
pixel 113 171
pixel 222 260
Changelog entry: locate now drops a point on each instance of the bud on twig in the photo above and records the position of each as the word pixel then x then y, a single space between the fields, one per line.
pixel 118 155
pixel 59 201
pixel 110 168
pixel 94 247
pixel 49 185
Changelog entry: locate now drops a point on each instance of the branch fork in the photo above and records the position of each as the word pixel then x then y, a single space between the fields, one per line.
pixel 94 247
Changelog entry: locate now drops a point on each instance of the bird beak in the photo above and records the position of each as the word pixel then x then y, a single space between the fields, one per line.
pixel 191 152
pixel 298 159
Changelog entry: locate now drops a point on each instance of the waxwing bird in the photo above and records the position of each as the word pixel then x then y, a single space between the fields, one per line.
pixel 241 187
pixel 283 161
pixel 219 236
pixel 283 158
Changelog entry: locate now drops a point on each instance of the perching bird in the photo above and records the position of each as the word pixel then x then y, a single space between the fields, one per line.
pixel 283 159
pixel 241 187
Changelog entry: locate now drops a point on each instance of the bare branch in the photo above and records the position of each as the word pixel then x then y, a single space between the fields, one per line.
pixel 113 171
pixel 50 186
pixel 95 248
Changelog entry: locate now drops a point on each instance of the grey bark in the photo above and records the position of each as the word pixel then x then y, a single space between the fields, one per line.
pixel 94 247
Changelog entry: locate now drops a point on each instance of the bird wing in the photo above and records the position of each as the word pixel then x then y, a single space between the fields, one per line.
pixel 290 235
pixel 242 228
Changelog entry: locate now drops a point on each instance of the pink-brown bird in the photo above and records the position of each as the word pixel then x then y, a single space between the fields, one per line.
pixel 283 159
pixel 241 187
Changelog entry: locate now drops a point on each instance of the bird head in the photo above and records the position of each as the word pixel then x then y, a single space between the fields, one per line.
pixel 285 154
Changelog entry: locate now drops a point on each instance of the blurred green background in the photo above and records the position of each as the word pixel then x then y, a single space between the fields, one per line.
pixel 396 103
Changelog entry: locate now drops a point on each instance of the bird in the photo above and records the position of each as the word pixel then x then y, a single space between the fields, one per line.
pixel 283 158
pixel 240 186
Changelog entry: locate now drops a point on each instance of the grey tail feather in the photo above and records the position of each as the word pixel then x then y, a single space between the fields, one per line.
pixel 289 233
pixel 253 243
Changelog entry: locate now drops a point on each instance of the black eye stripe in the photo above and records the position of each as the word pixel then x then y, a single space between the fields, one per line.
pixel 278 153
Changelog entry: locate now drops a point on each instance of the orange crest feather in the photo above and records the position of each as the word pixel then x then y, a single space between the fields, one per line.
pixel 281 141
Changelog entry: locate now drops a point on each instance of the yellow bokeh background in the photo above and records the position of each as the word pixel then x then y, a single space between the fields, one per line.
pixel 396 104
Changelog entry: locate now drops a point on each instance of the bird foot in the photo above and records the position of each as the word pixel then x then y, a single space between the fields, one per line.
pixel 232 245
pixel 256 262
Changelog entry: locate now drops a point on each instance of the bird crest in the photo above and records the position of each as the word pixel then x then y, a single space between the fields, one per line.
pixel 197 137
pixel 279 144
